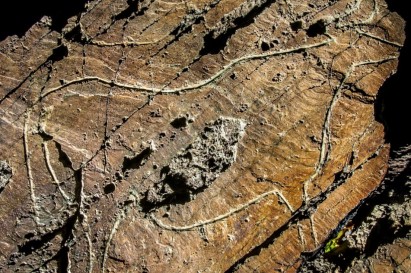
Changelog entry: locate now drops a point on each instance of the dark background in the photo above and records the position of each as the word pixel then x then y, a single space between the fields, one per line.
pixel 394 98
pixel 17 16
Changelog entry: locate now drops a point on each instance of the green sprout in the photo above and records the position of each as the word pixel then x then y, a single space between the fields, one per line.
pixel 335 243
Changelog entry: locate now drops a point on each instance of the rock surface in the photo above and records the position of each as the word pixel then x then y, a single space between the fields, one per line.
pixel 5 174
pixel 197 136
pixel 376 238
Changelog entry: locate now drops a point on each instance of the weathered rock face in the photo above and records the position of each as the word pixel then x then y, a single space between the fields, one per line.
pixel 200 136
pixel 194 169
pixel 377 236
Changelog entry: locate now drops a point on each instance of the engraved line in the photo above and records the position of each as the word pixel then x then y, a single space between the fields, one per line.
pixel 190 87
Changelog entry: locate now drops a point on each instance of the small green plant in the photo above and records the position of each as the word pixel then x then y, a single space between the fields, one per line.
pixel 338 241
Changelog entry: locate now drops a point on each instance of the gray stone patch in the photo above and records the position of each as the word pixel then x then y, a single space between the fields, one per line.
pixel 5 174
pixel 199 164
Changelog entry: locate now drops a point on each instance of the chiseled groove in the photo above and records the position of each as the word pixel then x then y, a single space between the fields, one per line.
pixel 90 252
pixel 382 40
pixel 326 132
pixel 53 174
pixel 304 210
pixel 27 155
pixel 194 86
pixel 371 200
pixel 132 200
pixel 116 224
pixel 223 216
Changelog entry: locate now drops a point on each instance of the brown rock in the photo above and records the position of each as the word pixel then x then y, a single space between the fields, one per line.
pixel 202 136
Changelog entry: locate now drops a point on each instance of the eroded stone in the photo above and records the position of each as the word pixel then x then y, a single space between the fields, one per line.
pixel 5 174
pixel 198 165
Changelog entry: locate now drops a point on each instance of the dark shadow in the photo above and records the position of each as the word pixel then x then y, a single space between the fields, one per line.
pixel 17 16
pixel 318 28
pixel 214 43
pixel 393 107
pixel 135 162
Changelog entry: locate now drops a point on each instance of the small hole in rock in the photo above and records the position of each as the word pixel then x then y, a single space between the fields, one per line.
pixel 317 28
pixel 295 26
pixel 118 176
pixel 212 164
pixel 109 188
pixel 265 46
pixel 179 122
pixel 29 235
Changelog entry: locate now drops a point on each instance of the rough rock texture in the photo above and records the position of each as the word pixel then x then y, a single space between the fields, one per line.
pixel 196 136
pixel 377 237
pixel 198 165
pixel 5 174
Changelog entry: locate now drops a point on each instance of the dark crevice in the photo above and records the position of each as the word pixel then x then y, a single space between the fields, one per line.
pixel 64 259
pixel 185 27
pixel 391 109
pixel 300 214
pixel 215 40
pixel 29 247
pixel 135 8
pixel 63 157
pixel 393 190
pixel 129 11
pixel 20 15
pixel 297 25
pixel 179 122
pixel 44 136
pixel 57 258
pixel 58 54
pixel 318 28
pixel 378 235
pixel 179 195
pixel 137 161
pixel 265 46
pixel 6 172
pixel 38 242
pixel 78 176
pixel 75 35
pixel 117 259
pixel 256 251
pixel 14 90
pixel 180 30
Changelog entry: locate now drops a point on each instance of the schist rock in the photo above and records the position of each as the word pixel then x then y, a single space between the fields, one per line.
pixel 198 136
